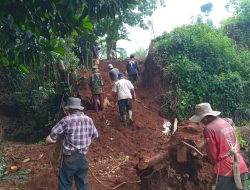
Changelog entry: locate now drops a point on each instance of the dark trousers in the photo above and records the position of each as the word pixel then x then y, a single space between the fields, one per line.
pixel 124 105
pixel 74 166
pixel 133 78
pixel 96 98
pixel 227 183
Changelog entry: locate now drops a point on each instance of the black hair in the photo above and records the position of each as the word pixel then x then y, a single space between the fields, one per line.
pixel 208 118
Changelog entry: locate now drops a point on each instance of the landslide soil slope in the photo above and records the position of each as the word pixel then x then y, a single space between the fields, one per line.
pixel 117 151
pixel 112 156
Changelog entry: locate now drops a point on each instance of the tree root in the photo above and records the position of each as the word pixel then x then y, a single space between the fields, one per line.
pixel 112 188
pixel 193 148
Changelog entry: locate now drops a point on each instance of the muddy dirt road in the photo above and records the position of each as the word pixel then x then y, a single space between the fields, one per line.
pixel 114 155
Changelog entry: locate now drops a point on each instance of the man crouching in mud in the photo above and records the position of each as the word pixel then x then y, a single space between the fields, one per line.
pixel 223 149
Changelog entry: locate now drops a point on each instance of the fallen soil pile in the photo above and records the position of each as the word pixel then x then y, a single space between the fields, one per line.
pixel 181 166
pixel 112 156
pixel 133 158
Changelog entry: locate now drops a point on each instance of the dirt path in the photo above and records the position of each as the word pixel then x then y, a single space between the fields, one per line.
pixel 115 153
pixel 112 156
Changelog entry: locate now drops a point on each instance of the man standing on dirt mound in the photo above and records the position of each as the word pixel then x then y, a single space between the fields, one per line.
pixel 223 150
pixel 95 83
pixel 133 70
pixel 96 55
pixel 123 90
pixel 113 73
pixel 79 131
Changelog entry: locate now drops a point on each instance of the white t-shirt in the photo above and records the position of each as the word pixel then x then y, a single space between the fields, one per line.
pixel 122 87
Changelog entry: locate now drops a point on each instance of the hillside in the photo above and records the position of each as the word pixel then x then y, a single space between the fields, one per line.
pixel 115 155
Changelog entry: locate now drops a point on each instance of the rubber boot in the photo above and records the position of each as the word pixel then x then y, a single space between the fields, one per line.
pixel 124 120
pixel 130 113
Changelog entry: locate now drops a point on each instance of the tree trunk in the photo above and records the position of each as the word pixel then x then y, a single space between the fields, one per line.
pixel 1 133
pixel 109 46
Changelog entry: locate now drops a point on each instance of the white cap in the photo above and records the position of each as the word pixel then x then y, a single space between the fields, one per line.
pixel 110 66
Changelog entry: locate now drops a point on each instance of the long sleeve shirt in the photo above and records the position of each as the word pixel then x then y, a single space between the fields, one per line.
pixel 78 130
pixel 132 67
pixel 95 82
pixel 219 134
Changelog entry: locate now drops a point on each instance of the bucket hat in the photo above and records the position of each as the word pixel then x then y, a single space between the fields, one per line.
pixel 202 110
pixel 74 103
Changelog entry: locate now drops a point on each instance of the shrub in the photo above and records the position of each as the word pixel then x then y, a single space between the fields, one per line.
pixel 205 66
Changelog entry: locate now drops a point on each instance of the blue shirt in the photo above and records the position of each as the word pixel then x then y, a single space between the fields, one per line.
pixel 132 67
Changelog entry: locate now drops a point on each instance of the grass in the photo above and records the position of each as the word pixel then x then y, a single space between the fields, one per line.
pixel 2 169
pixel 41 142
pixel 248 183
pixel 3 165
pixel 20 174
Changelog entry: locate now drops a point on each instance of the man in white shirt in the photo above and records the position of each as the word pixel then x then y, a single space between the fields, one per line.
pixel 123 91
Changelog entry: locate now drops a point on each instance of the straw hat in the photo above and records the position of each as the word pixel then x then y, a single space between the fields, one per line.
pixel 202 110
pixel 74 103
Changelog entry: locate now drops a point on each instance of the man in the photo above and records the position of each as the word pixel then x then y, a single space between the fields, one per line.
pixel 95 83
pixel 79 131
pixel 96 55
pixel 220 141
pixel 133 69
pixel 113 73
pixel 123 90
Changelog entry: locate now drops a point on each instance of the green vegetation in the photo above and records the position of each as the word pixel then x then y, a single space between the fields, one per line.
pixel 206 8
pixel 2 169
pixel 205 65
pixel 248 183
pixel 122 53
pixel 115 28
pixel 237 26
pixel 241 141
pixel 37 35
pixel 20 175
pixel 141 53
pixel 3 164
pixel 201 63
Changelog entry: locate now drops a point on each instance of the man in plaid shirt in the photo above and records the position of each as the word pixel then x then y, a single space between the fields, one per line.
pixel 79 131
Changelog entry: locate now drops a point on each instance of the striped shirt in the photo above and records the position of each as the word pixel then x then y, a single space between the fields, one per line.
pixel 78 129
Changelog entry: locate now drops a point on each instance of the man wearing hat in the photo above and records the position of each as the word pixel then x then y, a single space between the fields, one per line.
pixel 222 148
pixel 95 83
pixel 79 131
pixel 123 90
pixel 113 72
